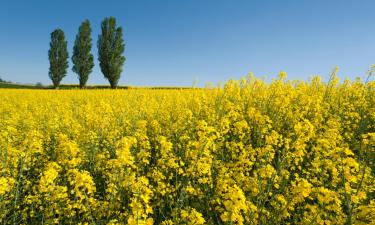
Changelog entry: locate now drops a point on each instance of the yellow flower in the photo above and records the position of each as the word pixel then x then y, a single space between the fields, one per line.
pixel 248 152
pixel 6 185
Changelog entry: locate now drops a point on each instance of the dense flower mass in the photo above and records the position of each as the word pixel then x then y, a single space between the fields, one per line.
pixel 251 152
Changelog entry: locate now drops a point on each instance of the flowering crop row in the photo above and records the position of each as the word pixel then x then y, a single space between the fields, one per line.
pixel 286 152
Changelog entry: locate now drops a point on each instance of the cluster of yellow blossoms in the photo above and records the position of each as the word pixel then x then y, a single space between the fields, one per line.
pixel 251 152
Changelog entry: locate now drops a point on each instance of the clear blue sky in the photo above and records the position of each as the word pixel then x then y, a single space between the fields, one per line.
pixel 175 42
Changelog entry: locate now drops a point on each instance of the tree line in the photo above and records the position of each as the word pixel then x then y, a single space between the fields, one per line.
pixel 110 53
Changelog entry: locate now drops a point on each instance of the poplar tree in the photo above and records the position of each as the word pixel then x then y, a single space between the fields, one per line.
pixel 58 57
pixel 110 51
pixel 83 60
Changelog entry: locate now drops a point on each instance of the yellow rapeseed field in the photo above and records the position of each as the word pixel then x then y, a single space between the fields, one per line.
pixel 252 152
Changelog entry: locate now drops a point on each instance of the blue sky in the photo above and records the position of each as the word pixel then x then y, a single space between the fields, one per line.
pixel 174 42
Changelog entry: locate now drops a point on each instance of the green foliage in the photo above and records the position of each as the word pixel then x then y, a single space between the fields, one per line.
pixel 58 57
pixel 39 84
pixel 110 50
pixel 82 58
pixel 4 81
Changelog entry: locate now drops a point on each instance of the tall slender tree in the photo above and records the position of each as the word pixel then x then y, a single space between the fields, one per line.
pixel 110 50
pixel 58 57
pixel 82 58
